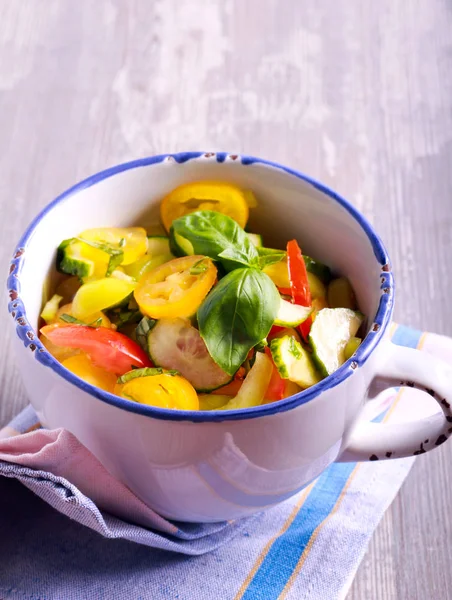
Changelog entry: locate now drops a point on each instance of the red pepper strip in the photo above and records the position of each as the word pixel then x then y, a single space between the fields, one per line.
pixel 299 284
pixel 285 291
pixel 276 387
pixel 108 349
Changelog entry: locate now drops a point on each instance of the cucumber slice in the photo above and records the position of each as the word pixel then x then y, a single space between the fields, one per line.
pixel 290 331
pixel 179 245
pixel 293 361
pixel 255 239
pixel 175 344
pixel 330 333
pixel 70 260
pixel 291 315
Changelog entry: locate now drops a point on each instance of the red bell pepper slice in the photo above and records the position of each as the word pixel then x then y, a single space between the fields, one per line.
pixel 299 284
pixel 108 349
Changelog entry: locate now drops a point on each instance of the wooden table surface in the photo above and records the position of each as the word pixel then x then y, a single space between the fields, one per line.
pixel 356 93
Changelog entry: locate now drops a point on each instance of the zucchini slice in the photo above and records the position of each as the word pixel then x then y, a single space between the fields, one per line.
pixel 70 259
pixel 175 344
pixel 291 315
pixel 293 361
pixel 330 333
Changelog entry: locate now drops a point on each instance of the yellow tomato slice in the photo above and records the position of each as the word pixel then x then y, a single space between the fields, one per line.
pixel 83 367
pixel 176 288
pixel 134 245
pixel 165 391
pixel 96 295
pixel 222 197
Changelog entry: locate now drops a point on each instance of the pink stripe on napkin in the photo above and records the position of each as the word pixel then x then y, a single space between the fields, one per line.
pixel 60 453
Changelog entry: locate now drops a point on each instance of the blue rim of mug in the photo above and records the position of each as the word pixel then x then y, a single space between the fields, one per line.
pixel 29 337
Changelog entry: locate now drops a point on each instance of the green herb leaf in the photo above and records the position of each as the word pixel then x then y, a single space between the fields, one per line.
pixel 269 256
pixel 216 235
pixel 70 319
pixel 121 317
pixel 145 372
pixel 142 330
pixel 237 315
pixel 199 267
pixel 294 348
pixel 96 323
pixel 115 253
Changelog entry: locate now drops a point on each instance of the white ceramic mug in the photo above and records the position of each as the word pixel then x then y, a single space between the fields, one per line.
pixel 212 466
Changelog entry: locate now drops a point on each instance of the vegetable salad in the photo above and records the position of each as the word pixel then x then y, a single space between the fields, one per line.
pixel 205 317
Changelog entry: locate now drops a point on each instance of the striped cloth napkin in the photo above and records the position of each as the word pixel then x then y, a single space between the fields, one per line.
pixel 310 546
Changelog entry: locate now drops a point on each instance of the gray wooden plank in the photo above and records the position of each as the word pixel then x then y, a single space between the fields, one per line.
pixel 357 94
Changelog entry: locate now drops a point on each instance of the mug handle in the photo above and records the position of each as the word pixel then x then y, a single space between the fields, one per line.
pixel 411 368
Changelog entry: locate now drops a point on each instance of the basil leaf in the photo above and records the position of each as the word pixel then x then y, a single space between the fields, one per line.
pixel 145 372
pixel 116 254
pixel 70 319
pixel 236 315
pixel 121 317
pixel 216 235
pixel 269 256
pixel 142 330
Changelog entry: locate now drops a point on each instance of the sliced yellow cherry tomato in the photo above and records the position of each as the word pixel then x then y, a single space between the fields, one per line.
pixel 176 288
pixel 97 295
pixel 132 241
pixel 83 367
pixel 164 390
pixel 222 197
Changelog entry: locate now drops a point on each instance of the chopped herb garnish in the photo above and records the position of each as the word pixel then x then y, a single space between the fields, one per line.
pixel 199 267
pixel 146 372
pixel 142 330
pixel 70 319
pixel 294 348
